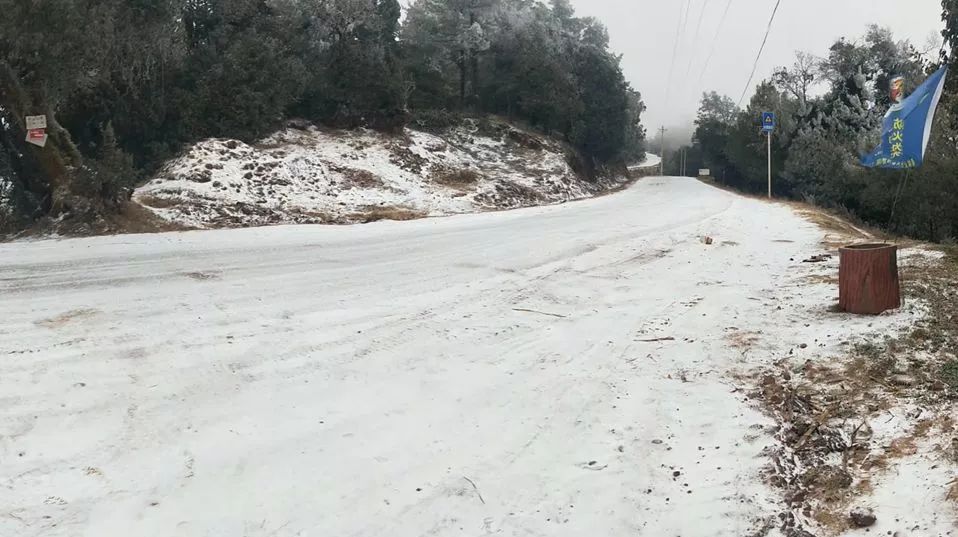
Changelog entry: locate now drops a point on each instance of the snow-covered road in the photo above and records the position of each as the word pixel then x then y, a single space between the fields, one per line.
pixel 481 374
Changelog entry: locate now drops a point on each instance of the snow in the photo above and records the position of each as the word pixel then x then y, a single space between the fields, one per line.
pixel 481 374
pixel 6 203
pixel 650 161
pixel 922 480
pixel 309 175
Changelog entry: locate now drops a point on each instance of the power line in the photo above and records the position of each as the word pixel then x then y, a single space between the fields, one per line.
pixel 712 48
pixel 688 11
pixel 675 51
pixel 698 30
pixel 759 56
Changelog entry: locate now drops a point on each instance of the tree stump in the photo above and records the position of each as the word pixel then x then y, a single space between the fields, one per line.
pixel 868 279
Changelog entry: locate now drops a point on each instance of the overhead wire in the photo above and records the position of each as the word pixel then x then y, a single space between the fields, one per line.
pixel 698 30
pixel 688 11
pixel 718 33
pixel 675 52
pixel 759 55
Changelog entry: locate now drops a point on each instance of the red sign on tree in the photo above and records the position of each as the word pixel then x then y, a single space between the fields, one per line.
pixel 37 130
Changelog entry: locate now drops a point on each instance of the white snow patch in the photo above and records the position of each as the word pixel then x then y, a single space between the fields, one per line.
pixel 910 500
pixel 651 161
pixel 6 203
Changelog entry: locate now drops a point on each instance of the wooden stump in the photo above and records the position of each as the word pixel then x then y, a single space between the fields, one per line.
pixel 868 279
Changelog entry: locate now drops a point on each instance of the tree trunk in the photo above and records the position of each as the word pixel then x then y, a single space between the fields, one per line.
pixel 474 60
pixel 57 160
pixel 868 279
pixel 462 78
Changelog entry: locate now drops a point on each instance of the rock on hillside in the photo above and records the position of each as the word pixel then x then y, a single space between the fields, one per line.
pixel 306 174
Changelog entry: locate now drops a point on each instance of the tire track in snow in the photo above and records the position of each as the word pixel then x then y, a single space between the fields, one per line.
pixel 345 368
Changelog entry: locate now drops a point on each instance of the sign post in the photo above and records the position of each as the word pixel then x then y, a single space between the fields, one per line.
pixel 768 127
pixel 37 130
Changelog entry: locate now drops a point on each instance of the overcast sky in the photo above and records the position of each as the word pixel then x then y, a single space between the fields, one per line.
pixel 644 32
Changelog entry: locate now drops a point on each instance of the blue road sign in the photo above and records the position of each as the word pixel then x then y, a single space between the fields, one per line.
pixel 768 121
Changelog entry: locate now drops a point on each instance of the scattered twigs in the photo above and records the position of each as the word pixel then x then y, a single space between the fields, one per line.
pixel 524 310
pixel 822 418
pixel 471 482
pixel 851 444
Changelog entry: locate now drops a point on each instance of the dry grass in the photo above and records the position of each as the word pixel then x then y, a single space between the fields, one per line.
pixel 131 218
pixel 134 218
pixel 829 279
pixel 743 340
pixel 362 178
pixel 67 318
pixel 303 216
pixel 953 491
pixel 356 178
pixel 375 214
pixel 934 282
pixel 462 179
pixel 403 157
pixel 830 222
pixel 158 202
pixel 824 407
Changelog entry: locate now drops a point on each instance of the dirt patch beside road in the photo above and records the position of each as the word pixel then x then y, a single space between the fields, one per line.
pixel 850 421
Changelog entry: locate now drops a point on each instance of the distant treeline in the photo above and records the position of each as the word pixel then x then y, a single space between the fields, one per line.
pixel 830 112
pixel 127 83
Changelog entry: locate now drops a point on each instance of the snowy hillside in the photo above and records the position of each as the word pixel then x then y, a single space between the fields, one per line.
pixel 309 175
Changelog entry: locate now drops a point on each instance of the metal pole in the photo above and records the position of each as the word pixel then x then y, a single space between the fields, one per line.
pixel 662 164
pixel 770 165
pixel 901 190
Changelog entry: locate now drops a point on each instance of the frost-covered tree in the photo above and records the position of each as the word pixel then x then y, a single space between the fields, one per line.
pixel 949 14
pixel 747 149
pixel 635 133
pixel 354 61
pixel 526 60
pixel 713 124
pixel 799 78
pixel 239 75
pixel 442 39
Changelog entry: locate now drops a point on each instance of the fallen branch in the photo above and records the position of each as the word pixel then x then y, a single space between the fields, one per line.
pixel 822 418
pixel 539 312
pixel 851 444
pixel 471 482
pixel 656 340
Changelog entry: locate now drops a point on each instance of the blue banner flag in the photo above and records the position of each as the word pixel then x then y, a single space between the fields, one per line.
pixel 906 128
